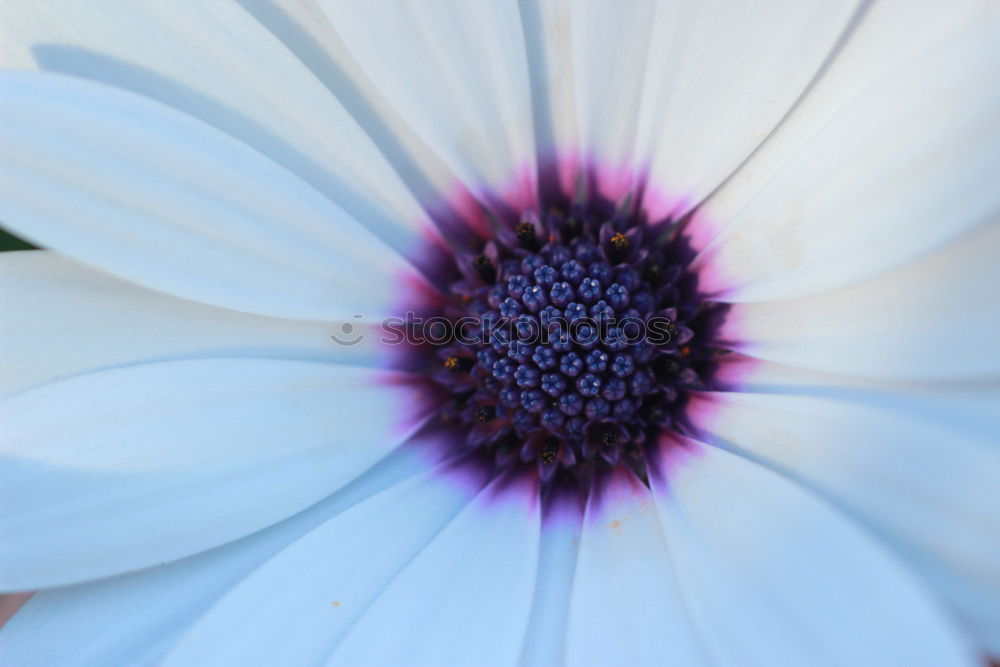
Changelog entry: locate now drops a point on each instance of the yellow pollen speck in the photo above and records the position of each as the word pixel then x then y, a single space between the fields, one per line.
pixel 451 362
pixel 619 241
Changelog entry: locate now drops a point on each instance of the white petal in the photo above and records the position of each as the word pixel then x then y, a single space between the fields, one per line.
pixel 126 468
pixel 137 618
pixel 968 406
pixel 61 319
pixel 936 318
pixel 457 74
pixel 545 641
pixel 466 598
pixel 893 153
pixel 914 472
pixel 318 587
pixel 547 38
pixel 159 198
pixel 256 88
pixel 626 608
pixel 610 43
pixel 774 577
pixel 718 77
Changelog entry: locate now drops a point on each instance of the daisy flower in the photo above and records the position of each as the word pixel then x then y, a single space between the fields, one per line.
pixel 498 333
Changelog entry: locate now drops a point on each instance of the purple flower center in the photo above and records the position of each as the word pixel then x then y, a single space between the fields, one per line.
pixel 575 339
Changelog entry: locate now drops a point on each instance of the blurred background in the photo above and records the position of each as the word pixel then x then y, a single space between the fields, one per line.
pixel 10 242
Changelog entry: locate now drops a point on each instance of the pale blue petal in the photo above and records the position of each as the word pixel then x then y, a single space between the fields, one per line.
pixel 137 618
pixel 61 319
pixel 296 607
pixel 626 607
pixel 773 576
pixel 127 468
pixel 936 318
pixel 157 197
pixel 545 640
pixel 456 74
pixel 258 89
pixel 893 154
pixel 466 598
pixel 922 476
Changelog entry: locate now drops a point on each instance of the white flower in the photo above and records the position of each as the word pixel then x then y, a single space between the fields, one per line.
pixel 193 473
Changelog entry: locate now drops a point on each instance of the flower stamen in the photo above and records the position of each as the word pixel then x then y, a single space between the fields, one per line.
pixel 587 337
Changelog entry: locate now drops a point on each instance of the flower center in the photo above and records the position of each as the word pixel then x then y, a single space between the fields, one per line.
pixel 575 337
